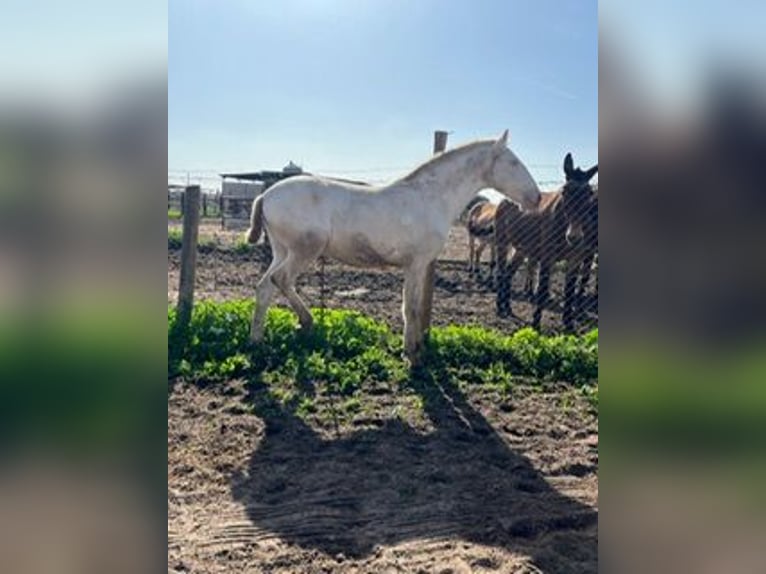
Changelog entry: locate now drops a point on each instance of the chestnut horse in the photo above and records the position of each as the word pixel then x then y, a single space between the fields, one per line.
pixel 404 224
pixel 565 227
pixel 480 224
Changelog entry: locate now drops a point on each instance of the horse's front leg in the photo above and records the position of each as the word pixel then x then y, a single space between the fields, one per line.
pixel 585 273
pixel 543 287
pixel 529 288
pixel 569 293
pixel 502 278
pixel 505 286
pixel 414 312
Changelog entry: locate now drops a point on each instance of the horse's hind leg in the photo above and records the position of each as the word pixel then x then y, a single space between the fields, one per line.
pixel 479 253
pixel 285 278
pixel 492 257
pixel 264 292
pixel 471 251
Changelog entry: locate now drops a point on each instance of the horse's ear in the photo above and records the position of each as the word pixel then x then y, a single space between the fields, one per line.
pixel 568 165
pixel 591 172
pixel 502 142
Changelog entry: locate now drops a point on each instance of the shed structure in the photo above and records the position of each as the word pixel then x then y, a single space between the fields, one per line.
pixel 240 189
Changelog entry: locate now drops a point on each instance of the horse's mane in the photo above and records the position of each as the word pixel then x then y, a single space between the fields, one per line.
pixel 442 156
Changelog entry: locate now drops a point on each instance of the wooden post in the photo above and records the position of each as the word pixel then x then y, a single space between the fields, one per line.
pixel 188 256
pixel 440 144
pixel 440 141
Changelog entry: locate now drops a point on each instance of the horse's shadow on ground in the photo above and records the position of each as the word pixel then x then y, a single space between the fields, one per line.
pixel 394 483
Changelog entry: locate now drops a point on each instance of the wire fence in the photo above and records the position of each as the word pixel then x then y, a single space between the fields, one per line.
pixel 211 204
pixel 540 263
pixel 501 267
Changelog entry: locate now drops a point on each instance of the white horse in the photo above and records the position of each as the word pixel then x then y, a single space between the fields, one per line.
pixel 404 224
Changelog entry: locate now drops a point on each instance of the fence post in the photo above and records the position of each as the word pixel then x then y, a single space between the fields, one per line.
pixel 188 256
pixel 440 144
pixel 440 141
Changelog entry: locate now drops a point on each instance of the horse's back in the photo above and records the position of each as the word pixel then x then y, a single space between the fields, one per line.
pixel 310 200
pixel 528 230
pixel 350 222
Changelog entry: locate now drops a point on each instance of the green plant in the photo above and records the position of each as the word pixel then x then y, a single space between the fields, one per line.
pixel 242 247
pixel 591 395
pixel 346 350
pixel 174 238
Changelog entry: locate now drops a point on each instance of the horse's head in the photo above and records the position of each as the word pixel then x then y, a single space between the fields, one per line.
pixel 578 198
pixel 509 176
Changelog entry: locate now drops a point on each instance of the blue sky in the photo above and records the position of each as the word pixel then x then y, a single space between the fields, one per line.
pixel 357 87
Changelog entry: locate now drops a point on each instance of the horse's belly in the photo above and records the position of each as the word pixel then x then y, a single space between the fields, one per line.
pixel 361 250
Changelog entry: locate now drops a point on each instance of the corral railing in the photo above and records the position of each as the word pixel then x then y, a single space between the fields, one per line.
pixel 525 268
pixel 210 203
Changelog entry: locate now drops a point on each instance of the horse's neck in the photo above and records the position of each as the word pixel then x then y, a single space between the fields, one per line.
pixel 452 180
pixel 548 201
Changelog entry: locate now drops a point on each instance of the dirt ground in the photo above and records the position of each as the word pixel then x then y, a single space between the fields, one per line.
pixel 415 480
pixel 425 479
pixel 458 297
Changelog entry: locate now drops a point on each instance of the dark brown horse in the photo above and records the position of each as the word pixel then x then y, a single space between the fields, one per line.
pixel 565 227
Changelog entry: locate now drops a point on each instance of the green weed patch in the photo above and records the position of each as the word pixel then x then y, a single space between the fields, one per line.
pixel 347 350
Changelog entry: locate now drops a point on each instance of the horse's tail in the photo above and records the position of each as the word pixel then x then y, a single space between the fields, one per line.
pixel 256 221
